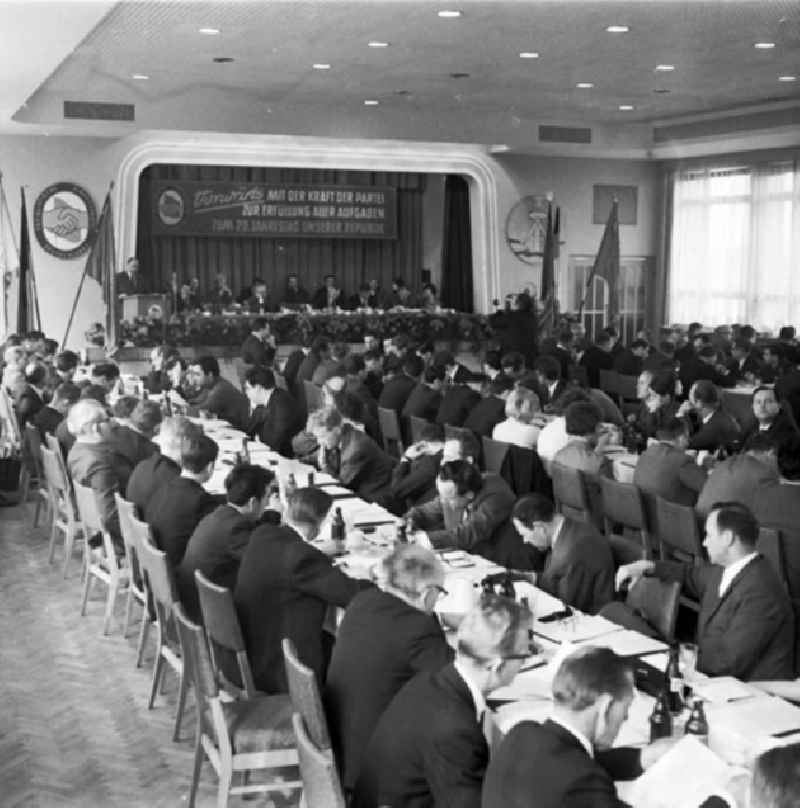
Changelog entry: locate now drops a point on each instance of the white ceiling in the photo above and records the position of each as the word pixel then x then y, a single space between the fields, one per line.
pixel 272 88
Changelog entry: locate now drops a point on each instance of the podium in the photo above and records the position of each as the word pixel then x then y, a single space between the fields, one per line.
pixel 144 305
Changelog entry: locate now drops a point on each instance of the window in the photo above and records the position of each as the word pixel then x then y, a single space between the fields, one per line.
pixel 735 246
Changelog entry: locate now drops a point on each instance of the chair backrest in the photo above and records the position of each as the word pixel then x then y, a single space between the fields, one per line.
pixel 622 504
pixel 570 492
pixel 160 582
pixel 390 431
pixel 626 387
pixel 87 508
pixel 33 450
pixel 194 653
pixel 657 601
pixel 224 633
pixel 415 427
pixel 8 418
pixel 313 395
pixel 52 442
pixel 305 696
pixel 608 382
pixel 321 785
pixel 130 535
pixel 494 453
pixel 769 544
pixel 53 475
pixel 678 531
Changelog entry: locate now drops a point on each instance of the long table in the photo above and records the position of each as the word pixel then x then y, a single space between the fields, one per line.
pixel 743 720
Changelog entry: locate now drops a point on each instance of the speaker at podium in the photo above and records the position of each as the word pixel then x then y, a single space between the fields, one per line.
pixel 152 306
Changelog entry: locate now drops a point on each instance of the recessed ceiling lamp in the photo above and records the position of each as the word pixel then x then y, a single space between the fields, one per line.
pixel 449 13
pixel 665 68
pixel 787 78
pixel 140 77
pixel 584 85
pixel 223 60
pixel 321 66
pixel 618 29
pixel 764 45
pixel 662 91
pixel 625 107
pixel 371 102
pixel 376 44
pixel 208 31
pixel 529 55
pixel 459 75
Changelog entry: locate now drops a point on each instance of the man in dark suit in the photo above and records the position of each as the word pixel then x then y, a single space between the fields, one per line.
pixel 598 357
pixel 329 295
pixel 52 414
pixel 746 626
pixel 711 428
pixel 133 426
pixel 414 477
pixel 284 588
pixel 469 511
pixel 276 417
pixel 546 380
pixel 426 397
pixel 128 281
pixel 355 372
pixel 428 748
pixel 743 364
pixel 563 352
pixel 630 361
pixel 153 473
pixel 176 508
pixel 254 348
pixel 575 563
pixel 704 367
pixel 665 469
pixel 769 419
pixel 458 401
pixel 210 392
pixel 350 455
pixel 567 762
pixel 220 538
pixel 30 399
pixel 400 377
pixel 387 636
pixel 363 299
pixel 295 295
pixel 258 302
pixel 491 409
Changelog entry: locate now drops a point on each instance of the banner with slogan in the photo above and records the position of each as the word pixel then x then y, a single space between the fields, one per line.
pixel 250 209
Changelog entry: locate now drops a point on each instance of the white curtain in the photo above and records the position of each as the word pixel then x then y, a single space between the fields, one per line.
pixel 735 246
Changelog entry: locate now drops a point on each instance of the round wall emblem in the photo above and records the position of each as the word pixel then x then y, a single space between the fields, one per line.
pixel 171 207
pixel 64 220
pixel 526 228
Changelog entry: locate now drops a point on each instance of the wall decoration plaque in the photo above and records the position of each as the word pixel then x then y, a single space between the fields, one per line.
pixel 64 220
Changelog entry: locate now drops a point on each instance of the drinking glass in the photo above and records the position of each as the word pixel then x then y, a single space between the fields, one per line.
pixel 688 661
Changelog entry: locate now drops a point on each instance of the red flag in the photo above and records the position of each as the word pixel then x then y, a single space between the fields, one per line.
pixel 27 301
pixel 549 313
pixel 606 264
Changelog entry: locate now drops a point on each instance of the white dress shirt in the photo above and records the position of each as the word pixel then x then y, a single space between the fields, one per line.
pixel 552 439
pixel 732 571
pixel 475 691
pixel 584 741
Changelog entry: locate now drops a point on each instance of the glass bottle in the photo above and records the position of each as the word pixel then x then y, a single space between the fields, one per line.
pixel 697 724
pixel 291 485
pixel 337 527
pixel 660 719
pixel 674 680
pixel 244 455
pixel 402 534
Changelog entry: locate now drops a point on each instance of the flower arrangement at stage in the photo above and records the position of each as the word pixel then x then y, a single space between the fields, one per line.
pixel 228 330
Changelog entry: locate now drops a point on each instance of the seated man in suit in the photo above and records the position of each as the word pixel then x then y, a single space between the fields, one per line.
pixel 329 295
pixel 428 748
pixel 414 477
pixel 350 455
pixel 106 375
pixel 128 281
pixel 573 562
pixel 218 542
pixel 133 426
pixel 362 299
pixel 743 365
pixel 276 418
pixel 258 302
pixel 546 380
pixel 355 372
pixel 94 461
pixel 32 394
pixel 631 361
pixel 769 419
pixel 568 760
pixel 705 367
pixel 586 440
pixel 254 348
pixel 400 377
pixel 468 513
pixel 176 508
pixel 665 469
pixel 746 627
pixel 521 406
pixel 711 428
pixel 426 397
pixel 563 352
pixel 658 404
pixel 776 778
pixel 284 588
pixel 52 414
pixel 151 474
pixel 598 357
pixel 294 295
pixel 208 391
pixel 458 398
pixel 387 636
pixel 491 409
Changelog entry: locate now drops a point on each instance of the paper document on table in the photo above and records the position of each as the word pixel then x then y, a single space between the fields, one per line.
pixel 542 603
pixel 578 628
pixel 359 512
pixel 630 643
pixel 684 778
pixel 722 689
pixel 759 716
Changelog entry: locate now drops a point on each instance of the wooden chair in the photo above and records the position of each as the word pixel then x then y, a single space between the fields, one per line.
pixel 769 544
pixel 62 505
pixel 627 393
pixel 33 472
pixel 133 533
pixel 161 587
pixel 494 454
pixel 608 383
pixel 101 563
pixel 321 785
pixel 390 432
pixel 305 696
pixel 678 534
pixel 237 737
pixel 225 636
pixel 313 396
pixel 623 505
pixel 651 608
pixel 570 492
pixel 415 427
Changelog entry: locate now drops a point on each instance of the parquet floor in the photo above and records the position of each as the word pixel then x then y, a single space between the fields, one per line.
pixel 75 730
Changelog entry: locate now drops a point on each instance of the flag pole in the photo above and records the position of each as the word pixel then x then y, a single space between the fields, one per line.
pixel 614 201
pixel 83 278
pixel 5 214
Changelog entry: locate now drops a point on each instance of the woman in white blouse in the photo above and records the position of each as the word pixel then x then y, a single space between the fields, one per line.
pixel 521 406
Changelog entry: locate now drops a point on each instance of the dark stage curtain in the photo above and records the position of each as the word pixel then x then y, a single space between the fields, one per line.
pixel 456 291
pixel 242 259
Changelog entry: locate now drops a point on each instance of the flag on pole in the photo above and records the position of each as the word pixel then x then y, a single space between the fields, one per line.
pixel 606 264
pixel 549 314
pixel 9 267
pixel 27 300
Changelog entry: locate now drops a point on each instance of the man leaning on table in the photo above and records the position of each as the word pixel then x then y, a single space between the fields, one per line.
pixel 745 628
pixel 567 762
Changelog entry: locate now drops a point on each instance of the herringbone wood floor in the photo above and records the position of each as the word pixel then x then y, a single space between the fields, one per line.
pixel 74 725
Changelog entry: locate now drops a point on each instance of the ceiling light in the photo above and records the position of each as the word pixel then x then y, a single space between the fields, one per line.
pixel 140 77
pixel 665 68
pixel 449 13
pixel 321 66
pixel 764 45
pixel 625 107
pixel 787 78
pixel 618 29
pixel 529 55
pixel 377 44
pixel 223 60
pixel 584 85
pixel 371 102
pixel 208 31
pixel 662 91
